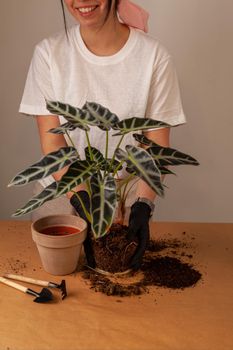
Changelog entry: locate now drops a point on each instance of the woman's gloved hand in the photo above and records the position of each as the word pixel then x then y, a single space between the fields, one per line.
pixel 138 230
pixel 74 200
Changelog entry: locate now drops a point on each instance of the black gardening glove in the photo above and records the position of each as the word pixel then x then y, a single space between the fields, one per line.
pixel 139 231
pixel 78 207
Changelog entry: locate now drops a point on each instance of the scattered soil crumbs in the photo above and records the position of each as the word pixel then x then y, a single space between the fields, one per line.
pixel 160 268
pixel 13 265
pixel 105 285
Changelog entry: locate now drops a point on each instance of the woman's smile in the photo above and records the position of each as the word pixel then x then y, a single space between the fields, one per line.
pixel 92 12
pixel 86 11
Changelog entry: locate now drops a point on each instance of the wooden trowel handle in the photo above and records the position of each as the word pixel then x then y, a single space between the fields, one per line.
pixel 13 284
pixel 26 279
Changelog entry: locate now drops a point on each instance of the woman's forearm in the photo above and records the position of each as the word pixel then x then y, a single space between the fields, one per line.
pixel 50 142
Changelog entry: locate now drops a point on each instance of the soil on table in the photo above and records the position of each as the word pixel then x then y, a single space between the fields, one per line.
pixel 164 265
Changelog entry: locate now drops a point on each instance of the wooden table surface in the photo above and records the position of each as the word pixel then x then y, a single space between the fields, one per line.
pixel 196 318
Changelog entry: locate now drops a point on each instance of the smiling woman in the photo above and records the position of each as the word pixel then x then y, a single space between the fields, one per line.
pixel 109 60
pixel 81 9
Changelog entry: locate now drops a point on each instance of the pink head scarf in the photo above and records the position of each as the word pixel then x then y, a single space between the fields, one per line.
pixel 133 15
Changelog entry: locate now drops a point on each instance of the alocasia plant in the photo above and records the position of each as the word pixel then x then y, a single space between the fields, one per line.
pixel 97 170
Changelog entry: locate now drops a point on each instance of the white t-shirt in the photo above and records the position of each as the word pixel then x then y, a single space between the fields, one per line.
pixel 138 81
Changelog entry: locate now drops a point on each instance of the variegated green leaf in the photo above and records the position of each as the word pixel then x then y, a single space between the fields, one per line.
pixel 103 203
pixel 63 128
pixel 35 202
pixel 165 171
pixel 101 162
pixel 133 124
pixel 108 164
pixel 72 114
pixel 156 148
pixel 144 167
pixel 77 173
pixel 121 155
pixel 48 165
pixel 168 156
pixel 97 156
pixel 106 118
pixel 130 169
pixel 142 139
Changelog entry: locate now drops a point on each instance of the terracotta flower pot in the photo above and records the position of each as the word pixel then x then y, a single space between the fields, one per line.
pixel 59 251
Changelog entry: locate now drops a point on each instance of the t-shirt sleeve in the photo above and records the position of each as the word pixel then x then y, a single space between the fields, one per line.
pixel 38 85
pixel 164 101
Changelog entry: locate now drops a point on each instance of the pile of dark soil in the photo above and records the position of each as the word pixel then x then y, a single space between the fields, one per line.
pixel 169 272
pixel 160 268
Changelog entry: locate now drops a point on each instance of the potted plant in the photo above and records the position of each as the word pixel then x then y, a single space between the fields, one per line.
pixel 99 171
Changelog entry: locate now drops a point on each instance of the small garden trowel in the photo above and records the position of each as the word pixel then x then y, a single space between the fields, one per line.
pixel 43 297
pixel 61 286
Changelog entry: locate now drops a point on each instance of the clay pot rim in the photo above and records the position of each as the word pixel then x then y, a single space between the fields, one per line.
pixel 61 237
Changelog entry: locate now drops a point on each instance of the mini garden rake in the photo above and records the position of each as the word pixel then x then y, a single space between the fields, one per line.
pixel 61 286
pixel 43 297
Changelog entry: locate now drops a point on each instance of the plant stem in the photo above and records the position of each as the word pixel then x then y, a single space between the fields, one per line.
pixel 72 143
pixel 117 168
pixel 106 146
pixel 126 180
pixel 89 145
pixel 114 154
pixel 106 153
pixel 126 193
pixel 119 143
pixel 88 187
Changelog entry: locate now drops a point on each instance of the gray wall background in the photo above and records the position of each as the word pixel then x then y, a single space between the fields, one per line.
pixel 198 34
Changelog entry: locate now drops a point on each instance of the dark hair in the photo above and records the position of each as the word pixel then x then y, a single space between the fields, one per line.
pixel 64 17
pixel 109 9
pixel 110 6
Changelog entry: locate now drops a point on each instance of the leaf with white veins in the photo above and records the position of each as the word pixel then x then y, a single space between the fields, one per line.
pixel 106 118
pixel 103 203
pixel 77 173
pixel 139 161
pixel 46 166
pixel 96 155
pixel 35 202
pixel 144 140
pixel 169 156
pixel 62 129
pixel 133 124
pixel 73 115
